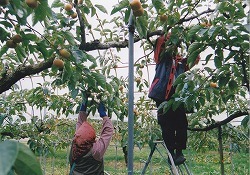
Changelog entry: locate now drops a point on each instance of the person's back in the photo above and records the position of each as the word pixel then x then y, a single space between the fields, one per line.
pixel 86 154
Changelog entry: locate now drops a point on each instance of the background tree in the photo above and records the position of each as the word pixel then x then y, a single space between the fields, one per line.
pixel 75 51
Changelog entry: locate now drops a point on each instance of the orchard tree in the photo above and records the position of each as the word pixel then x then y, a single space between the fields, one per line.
pixel 74 48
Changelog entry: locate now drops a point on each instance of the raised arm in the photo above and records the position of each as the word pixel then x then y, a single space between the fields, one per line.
pixel 101 145
pixel 82 116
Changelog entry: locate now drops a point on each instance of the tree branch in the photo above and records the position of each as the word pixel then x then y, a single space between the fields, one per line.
pixel 96 45
pixel 22 71
pixel 223 122
pixel 82 25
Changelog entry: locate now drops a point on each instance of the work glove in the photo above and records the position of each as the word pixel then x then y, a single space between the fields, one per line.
pixel 102 110
pixel 84 106
pixel 84 103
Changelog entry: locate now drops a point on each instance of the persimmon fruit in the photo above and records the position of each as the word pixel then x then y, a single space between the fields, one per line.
pixel 135 5
pixel 58 63
pixel 17 38
pixel 80 1
pixel 11 44
pixel 138 79
pixel 74 15
pixel 163 18
pixel 138 12
pixel 64 53
pixel 32 3
pixel 68 7
pixel 213 85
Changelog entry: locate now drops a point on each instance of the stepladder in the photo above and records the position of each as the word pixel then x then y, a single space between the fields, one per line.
pixel 181 169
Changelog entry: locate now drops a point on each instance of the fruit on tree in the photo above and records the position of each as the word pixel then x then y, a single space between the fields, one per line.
pixel 206 24
pixel 213 85
pixel 138 12
pixel 121 88
pixel 32 3
pixel 135 5
pixel 17 38
pixel 163 18
pixel 80 1
pixel 4 2
pixel 64 53
pixel 11 44
pixel 58 63
pixel 68 7
pixel 74 15
pixel 138 79
pixel 141 66
pixel 203 24
pixel 136 112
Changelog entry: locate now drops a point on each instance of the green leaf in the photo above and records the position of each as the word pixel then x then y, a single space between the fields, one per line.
pixel 3 50
pixel 6 24
pixel 123 4
pixel 219 53
pixel 3 34
pixel 208 58
pixel 74 93
pixel 8 154
pixel 20 53
pixel 91 58
pixel 202 101
pixel 79 55
pixel 57 3
pixel 194 46
pixel 2 117
pixel 193 31
pixel 42 47
pixel 141 26
pixel 26 162
pixel 42 12
pixel 192 57
pixel 158 4
pixel 69 37
pixel 93 11
pixel 101 8
pixel 245 121
pixel 223 80
pixel 30 37
pixel 217 62
pixel 233 85
pixel 179 3
pixel 101 79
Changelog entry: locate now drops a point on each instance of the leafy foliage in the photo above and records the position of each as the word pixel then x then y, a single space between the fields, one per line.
pixel 219 33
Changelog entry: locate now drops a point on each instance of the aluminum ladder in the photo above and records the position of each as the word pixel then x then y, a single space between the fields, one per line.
pixel 175 170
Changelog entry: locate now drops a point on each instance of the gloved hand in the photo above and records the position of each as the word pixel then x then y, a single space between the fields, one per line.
pixel 85 101
pixel 102 110
pixel 84 105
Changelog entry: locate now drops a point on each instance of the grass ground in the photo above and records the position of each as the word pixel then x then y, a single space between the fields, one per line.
pixel 206 163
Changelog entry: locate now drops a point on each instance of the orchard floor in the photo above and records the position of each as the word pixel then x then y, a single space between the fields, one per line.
pixel 205 163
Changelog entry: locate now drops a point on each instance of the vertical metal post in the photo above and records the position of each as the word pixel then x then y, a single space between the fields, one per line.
pixel 131 96
pixel 221 150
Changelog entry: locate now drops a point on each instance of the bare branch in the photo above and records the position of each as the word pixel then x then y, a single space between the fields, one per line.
pixel 223 122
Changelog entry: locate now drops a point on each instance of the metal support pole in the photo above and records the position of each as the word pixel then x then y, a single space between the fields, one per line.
pixel 131 96
pixel 221 150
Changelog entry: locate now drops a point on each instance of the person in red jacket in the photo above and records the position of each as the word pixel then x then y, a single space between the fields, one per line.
pixel 173 123
pixel 86 154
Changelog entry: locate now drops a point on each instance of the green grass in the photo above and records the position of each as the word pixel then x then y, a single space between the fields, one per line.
pixel 206 163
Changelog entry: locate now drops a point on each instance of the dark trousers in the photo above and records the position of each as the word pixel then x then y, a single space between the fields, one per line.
pixel 174 128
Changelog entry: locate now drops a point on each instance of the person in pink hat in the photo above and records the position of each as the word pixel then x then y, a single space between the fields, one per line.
pixel 86 154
